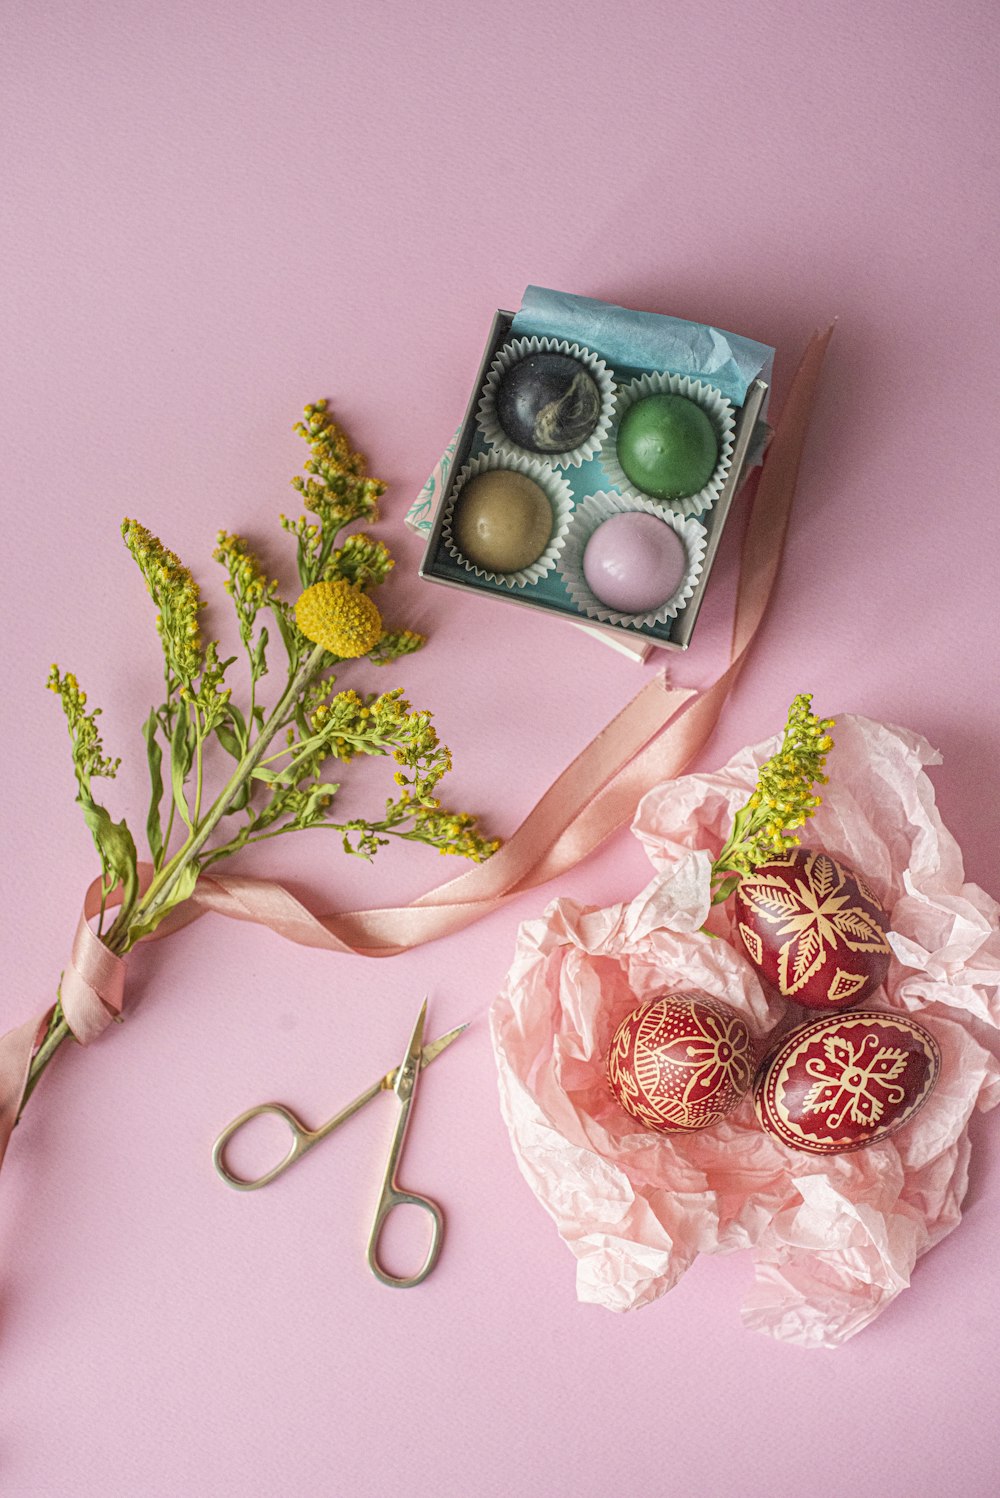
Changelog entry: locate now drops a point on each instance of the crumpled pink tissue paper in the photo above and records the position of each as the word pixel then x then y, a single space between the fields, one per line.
pixel 834 1238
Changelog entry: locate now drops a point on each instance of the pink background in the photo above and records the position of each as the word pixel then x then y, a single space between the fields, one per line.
pixel 215 212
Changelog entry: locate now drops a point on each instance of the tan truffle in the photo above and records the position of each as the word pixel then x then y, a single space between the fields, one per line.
pixel 502 521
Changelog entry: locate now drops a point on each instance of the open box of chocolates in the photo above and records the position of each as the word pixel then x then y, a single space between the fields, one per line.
pixel 597 464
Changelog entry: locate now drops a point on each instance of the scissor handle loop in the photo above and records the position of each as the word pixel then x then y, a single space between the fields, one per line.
pixel 302 1140
pixel 392 1198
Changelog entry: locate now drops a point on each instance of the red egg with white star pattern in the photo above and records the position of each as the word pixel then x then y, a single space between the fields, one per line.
pixel 681 1062
pixel 845 1081
pixel 813 930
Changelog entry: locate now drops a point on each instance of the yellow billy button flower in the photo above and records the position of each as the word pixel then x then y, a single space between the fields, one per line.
pixel 341 618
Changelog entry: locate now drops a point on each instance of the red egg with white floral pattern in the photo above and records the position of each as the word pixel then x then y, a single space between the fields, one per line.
pixel 845 1081
pixel 813 930
pixel 681 1062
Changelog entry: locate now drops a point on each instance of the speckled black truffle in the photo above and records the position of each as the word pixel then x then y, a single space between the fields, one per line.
pixel 548 403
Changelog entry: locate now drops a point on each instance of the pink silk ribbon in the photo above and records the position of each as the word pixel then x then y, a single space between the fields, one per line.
pixel 650 740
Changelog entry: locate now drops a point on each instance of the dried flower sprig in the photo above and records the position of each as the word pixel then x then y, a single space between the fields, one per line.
pixel 271 790
pixel 783 800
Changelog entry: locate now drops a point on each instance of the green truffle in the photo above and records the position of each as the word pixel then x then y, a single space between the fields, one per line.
pixel 667 446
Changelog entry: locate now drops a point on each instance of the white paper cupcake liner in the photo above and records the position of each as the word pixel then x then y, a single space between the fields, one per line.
pixel 511 354
pixel 559 495
pixel 593 511
pixel 716 407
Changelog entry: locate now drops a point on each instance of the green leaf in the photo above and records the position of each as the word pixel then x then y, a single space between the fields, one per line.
pixel 725 889
pixel 271 777
pixel 116 846
pixel 290 636
pixel 241 798
pixel 181 757
pixel 154 755
pixel 229 740
pixel 311 809
pixel 183 888
pixel 257 662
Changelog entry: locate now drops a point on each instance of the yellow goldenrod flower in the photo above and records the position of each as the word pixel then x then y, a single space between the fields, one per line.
pixel 175 593
pixel 89 758
pixel 339 617
pixel 782 800
pixel 247 584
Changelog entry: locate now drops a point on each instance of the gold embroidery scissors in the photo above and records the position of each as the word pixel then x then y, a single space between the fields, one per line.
pixel 402 1080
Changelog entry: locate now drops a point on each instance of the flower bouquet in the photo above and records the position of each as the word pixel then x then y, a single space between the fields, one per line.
pixel 278 746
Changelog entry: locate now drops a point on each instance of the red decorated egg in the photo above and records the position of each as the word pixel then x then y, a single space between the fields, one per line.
pixel 681 1062
pixel 845 1081
pixel 813 930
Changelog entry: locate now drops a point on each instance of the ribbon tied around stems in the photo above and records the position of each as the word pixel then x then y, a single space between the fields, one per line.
pixel 93 987
pixel 649 741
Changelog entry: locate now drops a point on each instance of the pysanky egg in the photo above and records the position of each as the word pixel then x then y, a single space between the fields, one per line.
pixel 634 562
pixel 681 1062
pixel 813 930
pixel 845 1081
pixel 502 520
pixel 667 446
pixel 548 403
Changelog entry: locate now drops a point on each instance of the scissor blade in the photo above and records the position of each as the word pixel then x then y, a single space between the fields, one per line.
pixel 409 1068
pixel 434 1048
pixel 431 1051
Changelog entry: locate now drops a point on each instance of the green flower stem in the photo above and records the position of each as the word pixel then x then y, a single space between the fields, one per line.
pixel 157 897
pixel 57 1033
pixel 225 849
pixel 199 764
